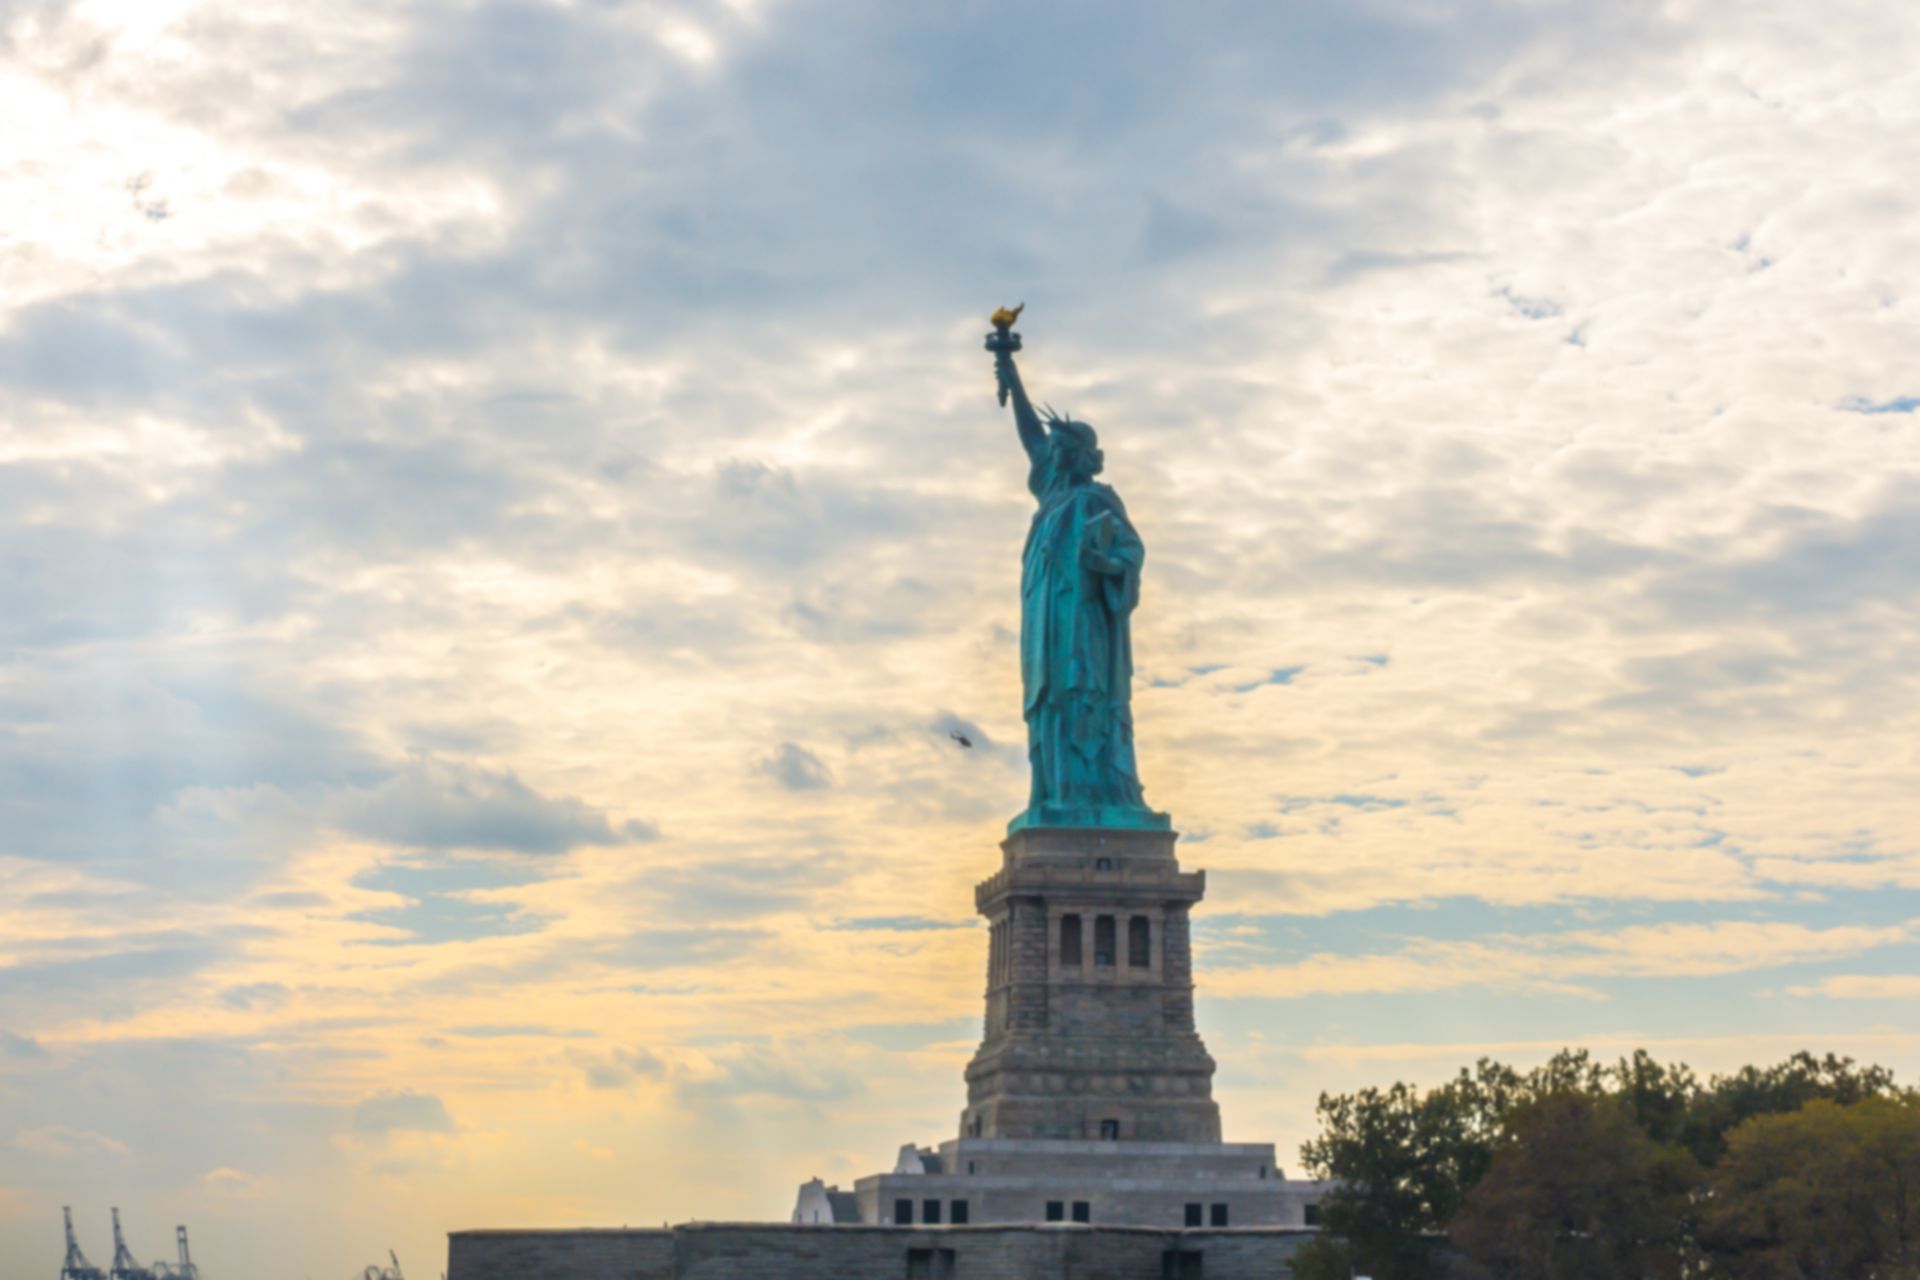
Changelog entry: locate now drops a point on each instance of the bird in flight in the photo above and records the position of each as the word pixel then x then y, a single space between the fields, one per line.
pixel 960 738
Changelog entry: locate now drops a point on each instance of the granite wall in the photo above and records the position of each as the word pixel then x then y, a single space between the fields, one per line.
pixel 783 1251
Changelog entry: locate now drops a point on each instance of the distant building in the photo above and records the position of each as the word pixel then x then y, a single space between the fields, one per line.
pixel 821 1205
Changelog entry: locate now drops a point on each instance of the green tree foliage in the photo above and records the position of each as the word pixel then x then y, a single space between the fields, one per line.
pixel 1827 1192
pixel 1408 1160
pixel 1660 1097
pixel 1776 1090
pixel 1576 1190
pixel 1322 1258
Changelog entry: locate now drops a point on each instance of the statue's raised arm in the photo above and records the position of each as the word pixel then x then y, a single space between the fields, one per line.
pixel 1003 342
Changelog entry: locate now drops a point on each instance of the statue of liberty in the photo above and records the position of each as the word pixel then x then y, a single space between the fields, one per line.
pixel 1079 583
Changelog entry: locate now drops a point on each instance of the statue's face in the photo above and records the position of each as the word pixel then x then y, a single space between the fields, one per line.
pixel 1072 458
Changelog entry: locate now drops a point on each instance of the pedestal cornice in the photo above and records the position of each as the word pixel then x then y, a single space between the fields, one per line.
pixel 1120 884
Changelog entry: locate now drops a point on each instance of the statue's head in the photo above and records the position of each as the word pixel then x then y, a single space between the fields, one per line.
pixel 1074 446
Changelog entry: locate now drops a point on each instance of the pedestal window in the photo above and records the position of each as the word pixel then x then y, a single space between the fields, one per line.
pixel 1103 932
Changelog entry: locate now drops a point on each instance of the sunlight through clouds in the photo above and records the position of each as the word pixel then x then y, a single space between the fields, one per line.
pixel 504 511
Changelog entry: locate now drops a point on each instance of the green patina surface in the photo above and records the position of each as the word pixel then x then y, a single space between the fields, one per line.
pixel 1079 585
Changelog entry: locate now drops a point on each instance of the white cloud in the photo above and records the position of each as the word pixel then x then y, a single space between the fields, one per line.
pixel 1862 986
pixel 68 1143
pixel 796 768
pixel 1559 962
pixel 439 805
pixel 233 1182
pixel 619 1068
pixel 401 1112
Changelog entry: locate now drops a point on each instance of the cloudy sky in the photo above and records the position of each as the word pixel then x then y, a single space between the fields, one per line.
pixel 501 505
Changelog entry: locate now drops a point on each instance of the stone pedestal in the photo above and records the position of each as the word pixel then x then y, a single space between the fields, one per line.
pixel 1090 1099
pixel 1089 1024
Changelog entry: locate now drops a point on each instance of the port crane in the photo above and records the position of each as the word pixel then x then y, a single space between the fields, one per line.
pixel 76 1267
pixel 124 1267
pixel 184 1268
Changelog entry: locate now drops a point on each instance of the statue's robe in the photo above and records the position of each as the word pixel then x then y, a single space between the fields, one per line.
pixel 1076 648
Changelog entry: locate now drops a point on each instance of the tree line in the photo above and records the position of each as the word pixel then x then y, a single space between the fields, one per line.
pixel 1631 1170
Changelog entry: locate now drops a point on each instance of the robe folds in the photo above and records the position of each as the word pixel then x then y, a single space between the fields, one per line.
pixel 1076 648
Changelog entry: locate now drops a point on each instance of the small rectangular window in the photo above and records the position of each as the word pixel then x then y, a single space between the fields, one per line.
pixel 903 1213
pixel 1313 1215
pixel 1218 1217
pixel 1056 1211
pixel 960 1213
pixel 1109 1131
pixel 1139 943
pixel 930 1212
pixel 1082 1211
pixel 1103 940
pixel 1070 940
pixel 1196 1215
